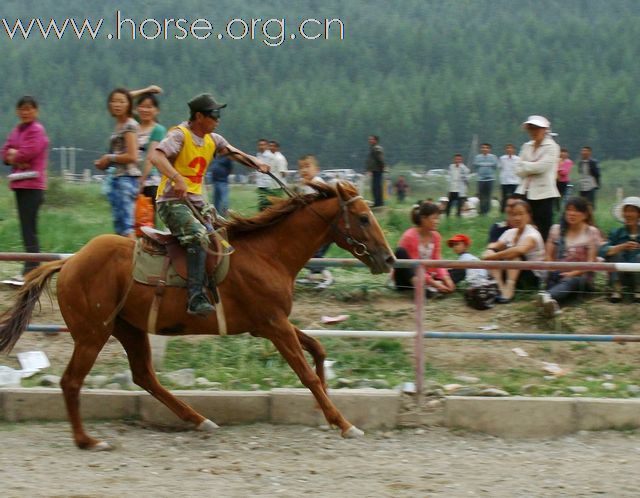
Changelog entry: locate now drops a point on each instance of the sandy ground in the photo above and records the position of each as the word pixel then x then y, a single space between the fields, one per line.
pixel 38 460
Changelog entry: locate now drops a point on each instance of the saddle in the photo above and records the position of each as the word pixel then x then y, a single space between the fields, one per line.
pixel 158 242
pixel 162 262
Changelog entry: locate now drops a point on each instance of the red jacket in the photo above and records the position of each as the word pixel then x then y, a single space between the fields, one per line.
pixel 410 241
pixel 32 143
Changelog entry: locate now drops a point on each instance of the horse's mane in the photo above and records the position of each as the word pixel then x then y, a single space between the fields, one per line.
pixel 278 211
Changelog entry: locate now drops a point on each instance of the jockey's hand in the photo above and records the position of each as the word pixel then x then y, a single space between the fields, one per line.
pixel 262 167
pixel 180 187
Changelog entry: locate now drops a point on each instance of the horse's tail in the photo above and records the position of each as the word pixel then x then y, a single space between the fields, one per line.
pixel 14 321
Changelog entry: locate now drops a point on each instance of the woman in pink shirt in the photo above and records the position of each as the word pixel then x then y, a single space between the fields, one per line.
pixel 26 150
pixel 564 169
pixel 423 242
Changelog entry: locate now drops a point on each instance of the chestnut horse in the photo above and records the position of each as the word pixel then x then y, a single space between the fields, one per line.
pixel 270 249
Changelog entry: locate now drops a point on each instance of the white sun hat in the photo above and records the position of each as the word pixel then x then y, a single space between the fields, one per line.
pixel 627 201
pixel 539 121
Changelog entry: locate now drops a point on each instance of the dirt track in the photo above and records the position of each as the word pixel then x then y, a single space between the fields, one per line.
pixel 260 460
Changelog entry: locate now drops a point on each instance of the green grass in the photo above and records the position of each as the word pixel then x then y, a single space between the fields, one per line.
pixel 73 214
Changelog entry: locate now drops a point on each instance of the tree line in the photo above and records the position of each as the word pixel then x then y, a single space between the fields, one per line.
pixel 425 75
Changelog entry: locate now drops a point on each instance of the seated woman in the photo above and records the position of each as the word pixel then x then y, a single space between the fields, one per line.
pixel 623 246
pixel 522 242
pixel 423 242
pixel 575 239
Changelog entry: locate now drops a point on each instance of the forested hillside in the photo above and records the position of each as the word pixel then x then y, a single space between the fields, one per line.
pixel 425 75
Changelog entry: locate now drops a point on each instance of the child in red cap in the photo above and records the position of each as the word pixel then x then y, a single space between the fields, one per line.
pixel 460 244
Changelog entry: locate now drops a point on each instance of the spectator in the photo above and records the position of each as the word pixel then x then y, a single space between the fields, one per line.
pixel 280 163
pixel 623 246
pixel 123 154
pixel 470 208
pixel 537 167
pixel 522 242
pixel 309 171
pixel 509 181
pixel 150 133
pixel 443 204
pixel 458 184
pixel 267 186
pixel 589 180
pixel 26 150
pixel 220 170
pixel 423 242
pixel 401 188
pixel 376 167
pixel 564 170
pixel 460 244
pixel 485 165
pixel 499 227
pixel 575 239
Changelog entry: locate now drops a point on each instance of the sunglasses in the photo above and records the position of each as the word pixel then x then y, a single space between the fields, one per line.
pixel 215 114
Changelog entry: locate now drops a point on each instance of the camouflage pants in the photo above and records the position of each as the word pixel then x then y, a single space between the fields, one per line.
pixel 182 223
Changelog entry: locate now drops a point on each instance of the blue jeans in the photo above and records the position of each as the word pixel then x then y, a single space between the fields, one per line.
pixel 122 196
pixel 221 197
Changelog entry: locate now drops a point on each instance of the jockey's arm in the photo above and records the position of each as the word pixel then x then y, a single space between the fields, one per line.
pixel 244 158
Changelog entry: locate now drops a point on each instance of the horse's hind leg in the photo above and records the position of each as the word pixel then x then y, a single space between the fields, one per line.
pixel 286 341
pixel 86 350
pixel 136 344
pixel 317 352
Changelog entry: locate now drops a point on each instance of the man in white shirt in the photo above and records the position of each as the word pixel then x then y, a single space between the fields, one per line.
pixel 267 186
pixel 458 182
pixel 508 178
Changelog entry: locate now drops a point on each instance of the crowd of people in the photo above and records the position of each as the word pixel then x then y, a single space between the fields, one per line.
pixel 532 184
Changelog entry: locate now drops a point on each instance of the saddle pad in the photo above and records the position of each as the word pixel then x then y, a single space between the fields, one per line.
pixel 148 267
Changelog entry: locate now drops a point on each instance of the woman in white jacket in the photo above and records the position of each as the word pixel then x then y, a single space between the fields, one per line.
pixel 537 168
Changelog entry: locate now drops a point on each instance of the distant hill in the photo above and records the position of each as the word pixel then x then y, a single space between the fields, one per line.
pixel 424 75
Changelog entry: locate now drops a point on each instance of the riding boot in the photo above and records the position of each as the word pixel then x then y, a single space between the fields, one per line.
pixel 198 302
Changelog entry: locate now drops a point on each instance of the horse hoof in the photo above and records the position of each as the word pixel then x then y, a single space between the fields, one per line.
pixel 207 426
pixel 352 433
pixel 101 446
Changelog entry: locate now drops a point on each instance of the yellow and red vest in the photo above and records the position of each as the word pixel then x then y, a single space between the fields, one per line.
pixel 192 162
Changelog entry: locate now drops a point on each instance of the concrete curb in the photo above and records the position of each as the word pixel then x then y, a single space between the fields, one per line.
pixel 508 417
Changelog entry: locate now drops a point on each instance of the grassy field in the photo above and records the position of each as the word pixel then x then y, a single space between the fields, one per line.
pixel 73 214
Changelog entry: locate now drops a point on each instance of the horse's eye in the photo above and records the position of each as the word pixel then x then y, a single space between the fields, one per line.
pixel 364 219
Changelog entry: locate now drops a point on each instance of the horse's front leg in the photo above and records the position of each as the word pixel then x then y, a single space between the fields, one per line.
pixel 285 339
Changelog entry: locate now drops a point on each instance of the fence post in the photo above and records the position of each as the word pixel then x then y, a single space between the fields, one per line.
pixel 419 298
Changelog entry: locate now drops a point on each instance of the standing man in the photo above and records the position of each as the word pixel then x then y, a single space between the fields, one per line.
pixel 509 181
pixel 458 183
pixel 485 165
pixel 589 180
pixel 267 186
pixel 375 167
pixel 220 171
pixel 280 164
pixel 183 157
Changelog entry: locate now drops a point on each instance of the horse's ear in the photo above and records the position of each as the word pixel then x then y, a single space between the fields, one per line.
pixel 345 189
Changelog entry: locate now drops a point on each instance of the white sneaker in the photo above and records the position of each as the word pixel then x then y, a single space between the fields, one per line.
pixel 17 281
pixel 327 280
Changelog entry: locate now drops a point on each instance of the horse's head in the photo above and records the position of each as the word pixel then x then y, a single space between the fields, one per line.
pixel 358 231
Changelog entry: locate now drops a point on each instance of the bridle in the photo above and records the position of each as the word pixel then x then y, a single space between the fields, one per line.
pixel 359 247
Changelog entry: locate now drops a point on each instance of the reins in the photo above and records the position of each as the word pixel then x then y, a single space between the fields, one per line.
pixel 360 248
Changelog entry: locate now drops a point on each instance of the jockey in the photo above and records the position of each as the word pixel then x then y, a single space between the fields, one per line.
pixel 183 158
